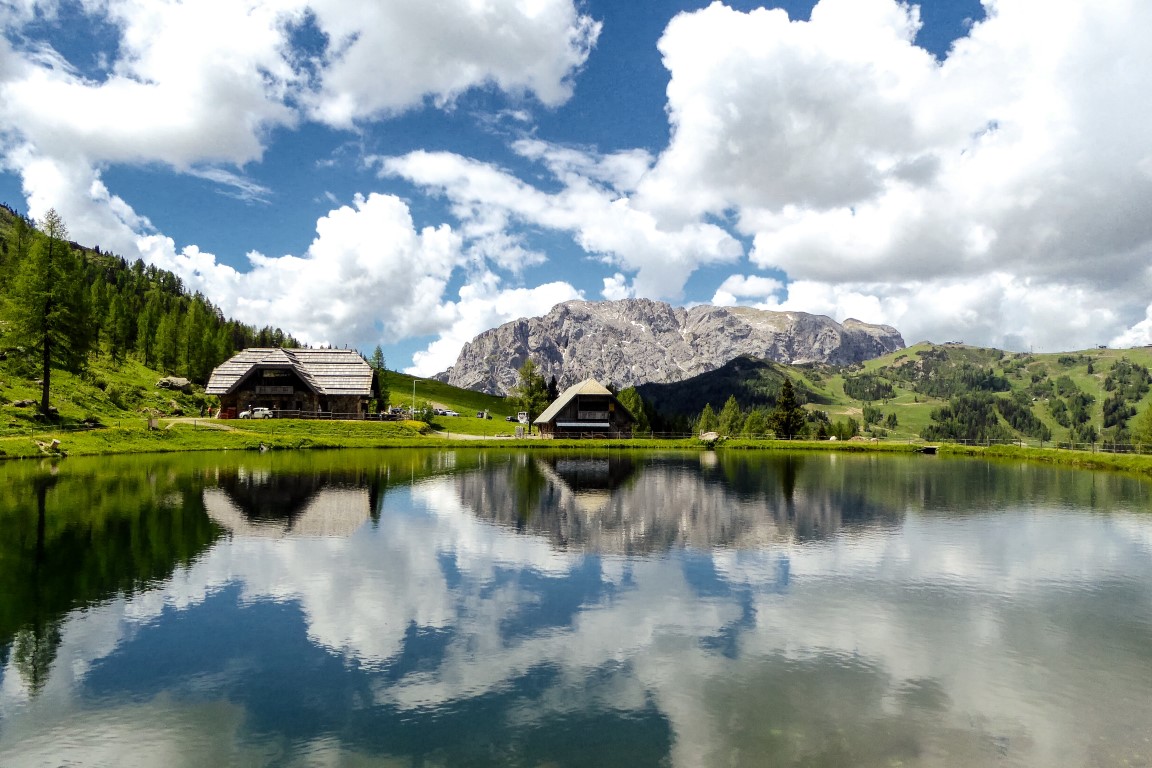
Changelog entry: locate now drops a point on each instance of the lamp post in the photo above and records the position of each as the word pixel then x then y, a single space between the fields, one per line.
pixel 413 398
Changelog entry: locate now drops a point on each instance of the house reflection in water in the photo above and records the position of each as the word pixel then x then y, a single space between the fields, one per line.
pixel 273 505
pixel 587 483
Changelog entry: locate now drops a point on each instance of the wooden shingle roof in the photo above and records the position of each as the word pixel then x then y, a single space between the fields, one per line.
pixel 325 371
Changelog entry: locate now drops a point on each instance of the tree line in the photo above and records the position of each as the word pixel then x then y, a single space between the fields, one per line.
pixel 63 303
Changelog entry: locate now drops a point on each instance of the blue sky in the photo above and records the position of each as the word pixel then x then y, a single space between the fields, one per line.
pixel 411 173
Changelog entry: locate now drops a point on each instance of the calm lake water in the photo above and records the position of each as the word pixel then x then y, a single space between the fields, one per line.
pixel 459 608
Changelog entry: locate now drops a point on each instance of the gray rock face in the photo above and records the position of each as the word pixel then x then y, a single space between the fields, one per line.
pixel 635 341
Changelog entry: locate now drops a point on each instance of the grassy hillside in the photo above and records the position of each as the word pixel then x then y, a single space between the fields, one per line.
pixel 1070 396
pixel 464 401
pixel 106 392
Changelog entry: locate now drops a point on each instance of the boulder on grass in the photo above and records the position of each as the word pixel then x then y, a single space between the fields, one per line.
pixel 175 383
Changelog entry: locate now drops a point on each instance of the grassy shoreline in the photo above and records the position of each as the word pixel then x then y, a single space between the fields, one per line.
pixel 208 435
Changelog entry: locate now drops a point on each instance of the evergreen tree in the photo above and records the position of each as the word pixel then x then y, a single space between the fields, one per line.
pixel 167 342
pixel 379 366
pixel 787 417
pixel 120 328
pixel 731 420
pixel 49 305
pixel 146 323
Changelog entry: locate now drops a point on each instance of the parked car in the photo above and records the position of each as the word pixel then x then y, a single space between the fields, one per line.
pixel 257 413
pixel 451 413
pixel 509 418
pixel 482 415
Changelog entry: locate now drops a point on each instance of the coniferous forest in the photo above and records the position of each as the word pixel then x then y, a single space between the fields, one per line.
pixel 115 308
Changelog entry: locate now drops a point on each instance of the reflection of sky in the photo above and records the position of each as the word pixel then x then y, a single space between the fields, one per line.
pixel 1017 638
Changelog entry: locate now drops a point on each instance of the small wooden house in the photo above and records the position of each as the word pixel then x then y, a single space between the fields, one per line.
pixel 586 409
pixel 330 382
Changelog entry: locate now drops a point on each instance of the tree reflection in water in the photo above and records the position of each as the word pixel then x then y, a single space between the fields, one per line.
pixel 457 607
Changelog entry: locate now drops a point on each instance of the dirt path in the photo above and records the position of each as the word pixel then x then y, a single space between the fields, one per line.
pixel 463 436
pixel 200 421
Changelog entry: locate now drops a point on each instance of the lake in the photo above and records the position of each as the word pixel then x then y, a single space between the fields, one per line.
pixel 481 608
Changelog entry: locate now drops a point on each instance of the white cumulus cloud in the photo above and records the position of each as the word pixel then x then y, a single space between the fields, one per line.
pixel 369 271
pixel 387 57
pixel 975 189
pixel 589 206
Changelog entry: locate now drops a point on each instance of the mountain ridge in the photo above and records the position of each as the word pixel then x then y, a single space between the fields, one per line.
pixel 636 341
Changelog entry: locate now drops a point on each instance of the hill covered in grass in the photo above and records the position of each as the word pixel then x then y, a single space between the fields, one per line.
pixel 942 392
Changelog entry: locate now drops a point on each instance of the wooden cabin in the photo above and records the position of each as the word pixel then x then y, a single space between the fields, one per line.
pixel 586 409
pixel 333 383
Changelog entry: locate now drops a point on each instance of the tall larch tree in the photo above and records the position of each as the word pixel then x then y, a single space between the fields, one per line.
pixel 49 305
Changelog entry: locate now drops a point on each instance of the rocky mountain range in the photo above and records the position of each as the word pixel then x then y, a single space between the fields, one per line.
pixel 637 341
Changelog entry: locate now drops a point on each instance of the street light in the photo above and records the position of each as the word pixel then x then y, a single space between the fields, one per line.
pixel 413 398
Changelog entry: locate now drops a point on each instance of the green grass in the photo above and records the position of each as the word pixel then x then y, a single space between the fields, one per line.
pixel 134 436
pixel 1140 464
pixel 445 396
pixel 108 391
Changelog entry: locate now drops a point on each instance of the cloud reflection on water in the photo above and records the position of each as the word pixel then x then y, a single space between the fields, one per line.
pixel 760 607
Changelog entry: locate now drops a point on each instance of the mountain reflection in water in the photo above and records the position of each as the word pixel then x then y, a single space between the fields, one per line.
pixel 623 505
pixel 479 608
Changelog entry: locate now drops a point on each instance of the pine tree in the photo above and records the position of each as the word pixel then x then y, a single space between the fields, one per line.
pixel 787 417
pixel 379 367
pixel 167 342
pixel 146 323
pixel 49 305
pixel 120 327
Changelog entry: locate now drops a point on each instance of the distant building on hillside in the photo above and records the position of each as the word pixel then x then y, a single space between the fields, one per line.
pixel 334 382
pixel 586 409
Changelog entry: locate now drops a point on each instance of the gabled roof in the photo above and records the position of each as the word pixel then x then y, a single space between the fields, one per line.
pixel 325 371
pixel 586 387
